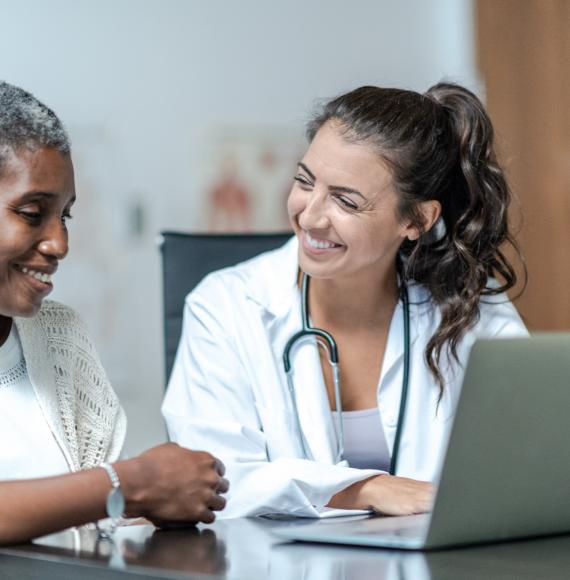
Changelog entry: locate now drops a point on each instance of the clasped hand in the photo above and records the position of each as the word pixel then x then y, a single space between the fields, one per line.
pixel 172 484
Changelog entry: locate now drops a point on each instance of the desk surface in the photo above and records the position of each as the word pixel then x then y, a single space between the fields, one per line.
pixel 246 549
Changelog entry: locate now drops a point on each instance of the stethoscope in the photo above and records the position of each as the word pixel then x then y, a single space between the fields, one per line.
pixel 326 341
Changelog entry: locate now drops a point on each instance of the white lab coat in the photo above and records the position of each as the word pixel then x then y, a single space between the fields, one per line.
pixel 228 391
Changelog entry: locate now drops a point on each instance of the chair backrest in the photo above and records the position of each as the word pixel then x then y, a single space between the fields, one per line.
pixel 187 258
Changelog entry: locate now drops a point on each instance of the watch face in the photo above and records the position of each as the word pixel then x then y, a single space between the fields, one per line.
pixel 115 503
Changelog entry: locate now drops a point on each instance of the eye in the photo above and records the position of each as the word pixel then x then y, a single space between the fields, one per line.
pixel 303 181
pixel 66 217
pixel 31 211
pixel 33 217
pixel 346 202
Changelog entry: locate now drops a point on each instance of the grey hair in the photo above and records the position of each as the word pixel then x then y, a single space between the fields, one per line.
pixel 26 123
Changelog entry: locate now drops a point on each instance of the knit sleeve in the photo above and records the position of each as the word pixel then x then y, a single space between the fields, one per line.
pixel 94 421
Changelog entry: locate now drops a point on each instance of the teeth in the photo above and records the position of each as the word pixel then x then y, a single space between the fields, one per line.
pixel 46 278
pixel 321 245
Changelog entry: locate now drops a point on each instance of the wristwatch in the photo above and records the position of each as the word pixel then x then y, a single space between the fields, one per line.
pixel 115 504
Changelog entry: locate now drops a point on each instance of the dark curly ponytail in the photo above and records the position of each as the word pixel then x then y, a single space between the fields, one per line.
pixel 440 147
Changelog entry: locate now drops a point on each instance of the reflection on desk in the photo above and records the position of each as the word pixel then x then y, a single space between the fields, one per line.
pixel 245 548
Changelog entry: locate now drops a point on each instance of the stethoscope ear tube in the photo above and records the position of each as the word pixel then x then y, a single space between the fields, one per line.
pixel 405 383
pixel 291 387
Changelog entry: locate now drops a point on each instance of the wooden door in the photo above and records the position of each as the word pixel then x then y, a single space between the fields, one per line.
pixel 524 60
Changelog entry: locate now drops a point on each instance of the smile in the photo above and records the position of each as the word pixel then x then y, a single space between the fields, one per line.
pixel 41 276
pixel 319 244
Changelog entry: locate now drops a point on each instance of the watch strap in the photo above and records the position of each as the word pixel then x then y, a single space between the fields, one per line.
pixel 115 503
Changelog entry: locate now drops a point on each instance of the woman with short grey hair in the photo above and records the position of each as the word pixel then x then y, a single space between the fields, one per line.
pixel 61 424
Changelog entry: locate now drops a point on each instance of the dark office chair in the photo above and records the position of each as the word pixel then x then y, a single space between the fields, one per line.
pixel 187 258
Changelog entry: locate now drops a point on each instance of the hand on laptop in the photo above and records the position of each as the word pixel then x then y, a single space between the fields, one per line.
pixel 387 494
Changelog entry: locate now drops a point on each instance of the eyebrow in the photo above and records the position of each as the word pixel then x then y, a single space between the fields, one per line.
pixel 306 170
pixel 335 188
pixel 42 194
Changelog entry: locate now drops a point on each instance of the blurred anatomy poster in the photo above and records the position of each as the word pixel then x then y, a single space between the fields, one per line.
pixel 247 175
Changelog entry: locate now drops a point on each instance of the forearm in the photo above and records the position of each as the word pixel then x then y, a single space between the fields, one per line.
pixel 351 497
pixel 35 507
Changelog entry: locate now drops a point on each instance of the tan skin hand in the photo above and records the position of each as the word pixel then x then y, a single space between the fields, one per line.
pixel 173 484
pixel 387 494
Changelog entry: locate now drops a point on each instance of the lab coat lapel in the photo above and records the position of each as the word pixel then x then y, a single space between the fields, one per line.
pixel 390 382
pixel 281 302
pixel 310 391
pixel 313 403
pixel 394 354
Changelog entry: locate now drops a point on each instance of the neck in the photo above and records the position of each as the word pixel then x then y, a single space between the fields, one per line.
pixel 360 300
pixel 5 327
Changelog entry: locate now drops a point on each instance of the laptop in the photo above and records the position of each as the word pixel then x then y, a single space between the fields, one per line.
pixel 506 472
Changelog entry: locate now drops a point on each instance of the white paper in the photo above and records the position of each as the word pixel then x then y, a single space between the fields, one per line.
pixel 326 512
pixel 318 513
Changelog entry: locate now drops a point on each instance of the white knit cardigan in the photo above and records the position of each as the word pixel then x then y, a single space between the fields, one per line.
pixel 78 403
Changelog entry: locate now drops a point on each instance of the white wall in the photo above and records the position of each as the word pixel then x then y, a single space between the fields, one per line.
pixel 138 82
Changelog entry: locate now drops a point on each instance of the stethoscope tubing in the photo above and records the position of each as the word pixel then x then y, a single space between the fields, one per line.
pixel 325 339
pixel 405 382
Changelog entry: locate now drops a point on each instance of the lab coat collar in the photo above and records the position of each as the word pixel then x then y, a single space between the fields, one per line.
pixel 273 282
pixel 419 306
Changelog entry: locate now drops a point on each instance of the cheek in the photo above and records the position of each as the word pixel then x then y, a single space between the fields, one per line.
pixel 7 253
pixel 377 236
pixel 294 203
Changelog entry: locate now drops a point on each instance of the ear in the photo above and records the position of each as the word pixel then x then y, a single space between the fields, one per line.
pixel 430 211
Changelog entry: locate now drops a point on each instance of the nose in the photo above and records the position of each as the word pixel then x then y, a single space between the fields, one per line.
pixel 313 215
pixel 54 242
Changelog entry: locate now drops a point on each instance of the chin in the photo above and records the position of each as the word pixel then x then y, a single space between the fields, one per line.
pixel 317 270
pixel 27 310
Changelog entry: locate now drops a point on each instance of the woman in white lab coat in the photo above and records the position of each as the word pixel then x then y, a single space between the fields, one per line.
pixel 396 190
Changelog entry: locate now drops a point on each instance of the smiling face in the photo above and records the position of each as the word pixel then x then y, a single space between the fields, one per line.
pixel 343 209
pixel 37 191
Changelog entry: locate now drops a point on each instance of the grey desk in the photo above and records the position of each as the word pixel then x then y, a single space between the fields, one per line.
pixel 246 549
